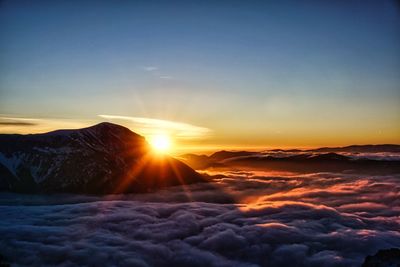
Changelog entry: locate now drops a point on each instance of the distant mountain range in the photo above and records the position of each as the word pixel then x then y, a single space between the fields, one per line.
pixel 105 158
pixel 108 158
pixel 353 149
pixel 376 159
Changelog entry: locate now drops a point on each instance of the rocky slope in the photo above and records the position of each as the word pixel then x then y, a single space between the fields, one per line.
pixel 105 158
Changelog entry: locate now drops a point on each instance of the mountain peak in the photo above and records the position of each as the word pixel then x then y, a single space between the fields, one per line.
pixel 107 125
pixel 101 127
pixel 104 158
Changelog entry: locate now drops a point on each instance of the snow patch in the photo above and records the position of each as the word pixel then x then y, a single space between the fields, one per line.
pixel 11 163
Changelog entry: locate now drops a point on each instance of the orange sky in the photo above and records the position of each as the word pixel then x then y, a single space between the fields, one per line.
pixel 186 137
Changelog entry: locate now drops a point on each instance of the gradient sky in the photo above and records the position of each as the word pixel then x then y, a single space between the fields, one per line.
pixel 276 74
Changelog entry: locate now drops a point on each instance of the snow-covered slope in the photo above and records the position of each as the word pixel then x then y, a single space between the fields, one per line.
pixel 105 158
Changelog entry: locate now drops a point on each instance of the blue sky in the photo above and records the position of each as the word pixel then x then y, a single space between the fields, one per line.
pixel 295 73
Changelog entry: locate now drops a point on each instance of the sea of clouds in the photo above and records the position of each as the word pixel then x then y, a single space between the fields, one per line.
pixel 241 219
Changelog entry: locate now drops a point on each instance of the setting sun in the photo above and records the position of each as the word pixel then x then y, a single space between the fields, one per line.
pixel 160 142
pixel 207 133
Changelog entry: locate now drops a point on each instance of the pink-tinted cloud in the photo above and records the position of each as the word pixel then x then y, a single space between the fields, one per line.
pixel 320 219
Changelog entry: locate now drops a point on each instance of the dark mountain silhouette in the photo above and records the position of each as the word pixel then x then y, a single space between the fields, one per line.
pixel 197 162
pixel 307 163
pixel 383 258
pixel 361 149
pixel 222 155
pixel 105 158
pixel 317 160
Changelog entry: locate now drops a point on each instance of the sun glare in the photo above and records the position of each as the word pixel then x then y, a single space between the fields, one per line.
pixel 160 142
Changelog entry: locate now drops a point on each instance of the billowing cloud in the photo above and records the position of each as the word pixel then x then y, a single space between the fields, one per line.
pixel 320 219
pixel 149 126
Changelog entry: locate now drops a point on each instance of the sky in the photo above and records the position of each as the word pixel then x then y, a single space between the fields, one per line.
pixel 211 74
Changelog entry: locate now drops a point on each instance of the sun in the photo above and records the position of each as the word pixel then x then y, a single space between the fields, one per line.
pixel 161 142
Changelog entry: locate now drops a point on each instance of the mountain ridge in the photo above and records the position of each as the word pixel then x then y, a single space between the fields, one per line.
pixel 104 158
pixel 362 158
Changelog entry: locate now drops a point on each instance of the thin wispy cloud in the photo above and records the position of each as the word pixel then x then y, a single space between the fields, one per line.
pixel 15 121
pixel 6 118
pixel 25 125
pixel 150 126
pixel 156 73
pixel 150 68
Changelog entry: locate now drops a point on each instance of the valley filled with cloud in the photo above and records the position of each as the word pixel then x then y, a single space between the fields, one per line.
pixel 250 218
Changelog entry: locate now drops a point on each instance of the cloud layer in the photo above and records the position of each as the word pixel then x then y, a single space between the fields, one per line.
pixel 312 220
